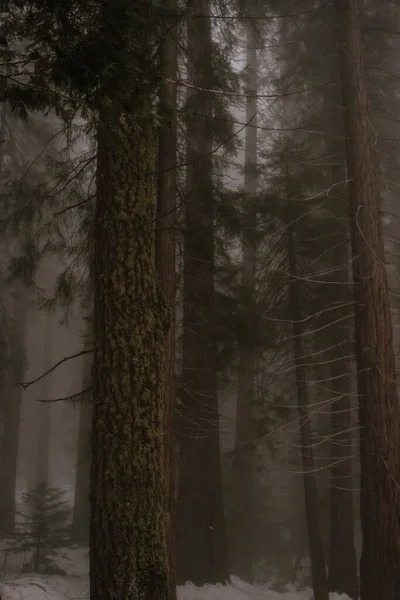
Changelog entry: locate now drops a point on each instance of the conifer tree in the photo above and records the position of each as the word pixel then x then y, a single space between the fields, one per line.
pixel 99 59
pixel 244 462
pixel 201 529
pixel 378 402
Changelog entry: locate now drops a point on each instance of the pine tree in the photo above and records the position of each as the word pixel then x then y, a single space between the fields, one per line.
pixel 201 529
pixel 99 59
pixel 378 402
pixel 318 569
pixel 342 576
pixel 128 556
pixel 44 529
pixel 244 463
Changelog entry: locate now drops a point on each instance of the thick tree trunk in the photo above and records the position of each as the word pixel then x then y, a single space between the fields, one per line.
pixel 378 403
pixel 342 577
pixel 165 261
pixel 318 571
pixel 81 512
pixel 201 533
pixel 11 415
pixel 244 464
pixel 127 541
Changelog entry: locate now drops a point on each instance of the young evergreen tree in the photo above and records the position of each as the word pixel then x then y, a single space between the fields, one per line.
pixel 44 529
pixel 378 402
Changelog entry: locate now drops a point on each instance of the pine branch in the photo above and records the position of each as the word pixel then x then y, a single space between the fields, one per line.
pixel 242 95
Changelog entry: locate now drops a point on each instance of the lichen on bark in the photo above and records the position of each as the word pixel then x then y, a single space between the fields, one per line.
pixel 128 557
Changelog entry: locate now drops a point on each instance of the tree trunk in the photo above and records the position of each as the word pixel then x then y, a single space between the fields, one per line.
pixel 319 580
pixel 378 404
pixel 201 531
pixel 127 539
pixel 44 408
pixel 342 577
pixel 81 513
pixel 244 464
pixel 11 415
pixel 165 261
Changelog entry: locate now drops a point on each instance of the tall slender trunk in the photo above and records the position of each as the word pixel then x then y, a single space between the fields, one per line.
pixel 81 512
pixel 165 261
pixel 201 532
pixel 378 403
pixel 11 415
pixel 319 580
pixel 127 540
pixel 244 463
pixel 342 577
pixel 44 408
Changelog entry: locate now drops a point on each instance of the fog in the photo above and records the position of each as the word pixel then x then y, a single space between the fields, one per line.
pixel 199 311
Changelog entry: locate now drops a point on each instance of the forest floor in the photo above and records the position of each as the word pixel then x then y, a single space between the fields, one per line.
pixel 75 585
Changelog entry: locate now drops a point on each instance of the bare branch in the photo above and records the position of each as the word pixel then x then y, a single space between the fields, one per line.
pixel 26 384
pixel 71 397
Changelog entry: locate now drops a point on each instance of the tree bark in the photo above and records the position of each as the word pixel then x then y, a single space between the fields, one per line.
pixel 318 571
pixel 342 576
pixel 201 530
pixel 378 403
pixel 165 261
pixel 244 461
pixel 81 512
pixel 128 558
pixel 11 415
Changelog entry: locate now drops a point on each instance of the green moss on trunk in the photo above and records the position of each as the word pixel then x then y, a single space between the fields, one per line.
pixel 128 558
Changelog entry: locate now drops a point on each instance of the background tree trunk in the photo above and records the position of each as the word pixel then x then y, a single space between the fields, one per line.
pixel 318 571
pixel 201 529
pixel 165 261
pixel 244 462
pixel 378 403
pixel 81 512
pixel 342 576
pixel 12 413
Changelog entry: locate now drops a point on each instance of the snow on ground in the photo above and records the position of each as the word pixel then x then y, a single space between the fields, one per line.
pixel 75 586
pixel 58 588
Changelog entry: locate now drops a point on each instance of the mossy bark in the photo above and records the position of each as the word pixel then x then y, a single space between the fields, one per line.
pixel 128 555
